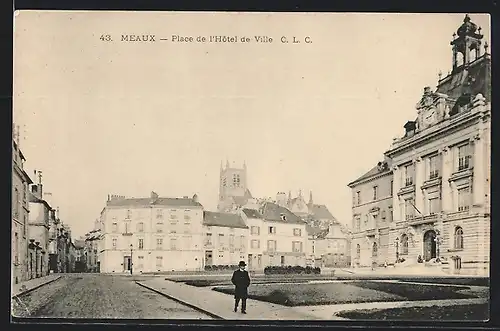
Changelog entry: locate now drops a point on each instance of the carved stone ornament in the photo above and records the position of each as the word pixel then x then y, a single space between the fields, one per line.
pixel 395 168
pixel 479 100
pixel 444 150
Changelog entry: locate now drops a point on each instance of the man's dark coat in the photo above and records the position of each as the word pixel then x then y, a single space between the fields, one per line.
pixel 241 280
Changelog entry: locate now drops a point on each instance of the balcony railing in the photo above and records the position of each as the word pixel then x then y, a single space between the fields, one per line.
pixel 424 220
pixel 434 174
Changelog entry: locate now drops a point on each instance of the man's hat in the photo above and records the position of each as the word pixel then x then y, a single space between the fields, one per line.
pixel 242 264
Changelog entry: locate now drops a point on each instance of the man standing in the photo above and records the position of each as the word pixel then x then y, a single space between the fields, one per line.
pixel 241 281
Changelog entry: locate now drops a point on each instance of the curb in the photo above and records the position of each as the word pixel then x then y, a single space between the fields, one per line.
pixel 34 288
pixel 181 302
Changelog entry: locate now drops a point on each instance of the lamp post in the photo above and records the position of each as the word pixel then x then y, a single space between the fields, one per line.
pixel 397 249
pixel 131 263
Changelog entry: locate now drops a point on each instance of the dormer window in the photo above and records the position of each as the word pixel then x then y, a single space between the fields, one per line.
pixel 283 217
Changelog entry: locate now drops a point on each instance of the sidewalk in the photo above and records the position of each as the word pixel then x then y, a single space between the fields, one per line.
pixel 32 284
pixel 220 305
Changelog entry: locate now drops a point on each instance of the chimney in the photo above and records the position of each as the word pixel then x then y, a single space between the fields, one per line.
pixel 427 90
pixel 195 197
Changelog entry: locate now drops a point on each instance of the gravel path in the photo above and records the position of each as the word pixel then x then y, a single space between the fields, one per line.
pixel 99 296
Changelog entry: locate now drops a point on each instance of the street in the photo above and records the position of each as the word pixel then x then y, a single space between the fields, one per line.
pixel 99 296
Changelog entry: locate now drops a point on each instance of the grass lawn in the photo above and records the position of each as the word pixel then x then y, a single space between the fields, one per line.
pixel 349 292
pixel 416 292
pixel 200 281
pixel 477 312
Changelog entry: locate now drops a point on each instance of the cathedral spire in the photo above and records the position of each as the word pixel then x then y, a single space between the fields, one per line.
pixel 227 164
pixel 310 197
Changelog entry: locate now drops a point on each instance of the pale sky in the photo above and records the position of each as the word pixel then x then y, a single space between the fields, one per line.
pixel 104 118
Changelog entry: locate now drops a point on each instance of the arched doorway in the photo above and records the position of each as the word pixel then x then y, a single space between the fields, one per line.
pixel 429 245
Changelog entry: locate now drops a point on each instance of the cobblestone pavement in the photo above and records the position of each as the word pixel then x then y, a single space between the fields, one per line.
pixel 99 296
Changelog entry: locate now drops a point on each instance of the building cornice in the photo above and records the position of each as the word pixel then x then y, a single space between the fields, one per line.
pixel 370 179
pixel 446 127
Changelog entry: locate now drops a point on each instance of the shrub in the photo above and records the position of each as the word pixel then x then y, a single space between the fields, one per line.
pixel 291 270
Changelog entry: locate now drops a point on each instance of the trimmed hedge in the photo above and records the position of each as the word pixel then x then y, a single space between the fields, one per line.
pixel 221 267
pixel 273 270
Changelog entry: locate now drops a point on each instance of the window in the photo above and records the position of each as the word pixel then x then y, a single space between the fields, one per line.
pixel 236 180
pixel 383 213
pixel 159 213
pixel 221 239
pixel 159 261
pixel 404 244
pixel 140 263
pixel 173 244
pixel 408 173
pixel 283 217
pixel 463 199
pixel 16 203
pixel 409 209
pixel 16 247
pixel 297 232
pixel 375 192
pixel 464 157
pixel 127 224
pixel 357 221
pixel 271 245
pixel 114 242
pixel 459 238
pixel 434 206
pixel 129 214
pixel 173 214
pixel 243 240
pixel 159 243
pixel 255 244
pixel 358 197
pixel 159 227
pixel 224 182
pixel 231 241
pixel 374 250
pixel 141 244
pixel 115 227
pixel 187 217
pixel 208 239
pixel 434 166
pixel 358 251
pixel 140 227
pixel 272 230
pixel 297 246
pixel 255 230
pixel 392 187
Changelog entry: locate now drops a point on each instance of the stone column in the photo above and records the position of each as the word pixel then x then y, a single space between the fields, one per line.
pixel 396 209
pixel 419 165
pixel 447 165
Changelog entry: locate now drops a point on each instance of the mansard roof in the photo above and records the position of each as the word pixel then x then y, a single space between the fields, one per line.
pixel 227 220
pixel 381 168
pixel 273 212
pixel 252 213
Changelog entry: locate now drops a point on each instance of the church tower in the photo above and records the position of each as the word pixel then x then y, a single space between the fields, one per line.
pixel 233 187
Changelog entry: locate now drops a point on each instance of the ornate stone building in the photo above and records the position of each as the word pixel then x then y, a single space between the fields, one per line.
pixel 441 166
pixel 372 216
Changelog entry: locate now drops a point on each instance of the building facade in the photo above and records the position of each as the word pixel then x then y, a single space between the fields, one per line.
pixel 91 251
pixel 442 165
pixel 441 173
pixel 328 248
pixel 226 239
pixel 38 230
pixel 277 237
pixel 151 234
pixel 372 215
pixel 20 214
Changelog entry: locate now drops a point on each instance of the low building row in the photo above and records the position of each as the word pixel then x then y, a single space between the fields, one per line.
pixel 41 243
pixel 159 234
